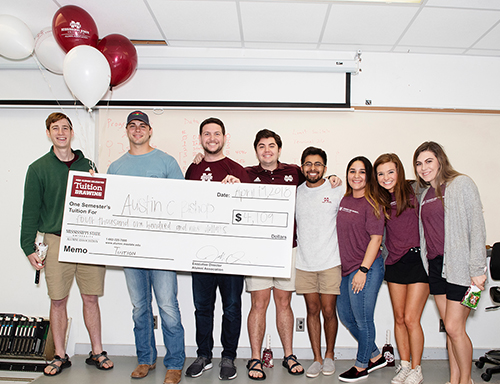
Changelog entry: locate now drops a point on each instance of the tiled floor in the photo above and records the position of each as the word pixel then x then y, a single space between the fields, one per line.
pixel 435 372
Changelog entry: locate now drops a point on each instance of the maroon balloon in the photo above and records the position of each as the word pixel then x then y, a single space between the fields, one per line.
pixel 121 55
pixel 73 26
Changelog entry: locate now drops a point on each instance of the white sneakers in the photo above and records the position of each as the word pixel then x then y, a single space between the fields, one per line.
pixel 402 372
pixel 406 375
pixel 415 376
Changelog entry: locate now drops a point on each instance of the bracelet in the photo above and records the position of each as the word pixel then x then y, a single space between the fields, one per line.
pixel 364 269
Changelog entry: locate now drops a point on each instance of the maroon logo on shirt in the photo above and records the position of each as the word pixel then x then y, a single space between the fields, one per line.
pixel 89 187
pixel 326 200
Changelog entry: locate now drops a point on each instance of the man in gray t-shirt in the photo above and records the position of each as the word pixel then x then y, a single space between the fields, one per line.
pixel 145 161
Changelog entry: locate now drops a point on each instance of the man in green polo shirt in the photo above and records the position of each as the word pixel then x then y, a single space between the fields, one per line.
pixel 44 194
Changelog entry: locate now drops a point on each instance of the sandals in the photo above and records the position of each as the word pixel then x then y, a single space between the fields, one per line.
pixel 94 360
pixel 295 364
pixel 251 367
pixel 65 363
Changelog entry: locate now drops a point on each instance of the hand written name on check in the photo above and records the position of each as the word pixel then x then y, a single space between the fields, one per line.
pixel 243 229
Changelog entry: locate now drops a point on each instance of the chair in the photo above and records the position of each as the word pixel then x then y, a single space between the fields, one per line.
pixel 493 356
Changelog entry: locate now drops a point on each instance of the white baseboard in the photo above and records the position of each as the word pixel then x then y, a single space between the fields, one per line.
pixel 341 353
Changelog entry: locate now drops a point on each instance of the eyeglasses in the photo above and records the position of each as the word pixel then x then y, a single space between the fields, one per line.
pixel 317 164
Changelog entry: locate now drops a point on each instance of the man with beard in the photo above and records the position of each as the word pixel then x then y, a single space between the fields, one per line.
pixel 216 167
pixel 318 274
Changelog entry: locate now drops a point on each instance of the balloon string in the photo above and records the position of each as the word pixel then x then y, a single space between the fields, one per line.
pixel 84 137
pixel 46 81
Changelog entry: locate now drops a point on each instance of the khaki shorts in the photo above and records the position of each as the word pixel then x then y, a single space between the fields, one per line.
pixel 59 276
pixel 258 283
pixel 327 281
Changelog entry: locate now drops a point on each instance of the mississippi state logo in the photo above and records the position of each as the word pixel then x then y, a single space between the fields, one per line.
pixel 288 178
pixel 75 24
pixel 389 356
pixel 326 200
pixel 206 177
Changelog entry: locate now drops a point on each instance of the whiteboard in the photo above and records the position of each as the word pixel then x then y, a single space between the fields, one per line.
pixel 471 140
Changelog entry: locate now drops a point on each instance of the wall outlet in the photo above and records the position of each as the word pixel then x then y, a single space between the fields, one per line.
pixel 441 326
pixel 155 321
pixel 299 324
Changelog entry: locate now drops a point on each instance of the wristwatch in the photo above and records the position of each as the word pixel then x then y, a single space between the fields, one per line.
pixel 364 269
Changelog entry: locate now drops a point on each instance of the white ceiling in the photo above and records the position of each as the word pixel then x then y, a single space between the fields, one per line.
pixel 458 27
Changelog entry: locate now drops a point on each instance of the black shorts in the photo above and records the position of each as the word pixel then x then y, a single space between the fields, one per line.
pixel 439 286
pixel 408 270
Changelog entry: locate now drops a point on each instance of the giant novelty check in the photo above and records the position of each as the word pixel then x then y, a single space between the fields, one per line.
pixel 243 229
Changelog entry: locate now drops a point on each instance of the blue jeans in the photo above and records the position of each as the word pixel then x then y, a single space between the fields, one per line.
pixel 356 311
pixel 139 284
pixel 204 289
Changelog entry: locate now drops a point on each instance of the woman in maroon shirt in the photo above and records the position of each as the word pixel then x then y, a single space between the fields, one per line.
pixel 404 272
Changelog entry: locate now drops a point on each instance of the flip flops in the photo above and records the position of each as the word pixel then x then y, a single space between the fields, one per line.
pixel 295 364
pixel 94 360
pixel 65 363
pixel 251 367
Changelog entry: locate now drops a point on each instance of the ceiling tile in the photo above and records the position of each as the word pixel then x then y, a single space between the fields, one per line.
pixel 472 4
pixel 205 44
pixel 430 50
pixel 482 52
pixel 134 22
pixel 37 15
pixel 197 20
pixel 491 40
pixel 454 28
pixel 298 22
pixel 282 45
pixel 356 47
pixel 458 27
pixel 367 24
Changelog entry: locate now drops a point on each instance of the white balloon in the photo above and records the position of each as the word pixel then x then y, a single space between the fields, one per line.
pixel 87 74
pixel 16 39
pixel 48 52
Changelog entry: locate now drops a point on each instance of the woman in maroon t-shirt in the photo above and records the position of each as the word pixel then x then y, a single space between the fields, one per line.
pixel 360 228
pixel 404 272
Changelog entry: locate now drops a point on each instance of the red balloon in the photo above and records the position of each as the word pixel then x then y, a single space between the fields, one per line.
pixel 121 55
pixel 72 26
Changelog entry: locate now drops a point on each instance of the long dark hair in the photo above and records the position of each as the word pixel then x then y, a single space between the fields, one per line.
pixel 403 191
pixel 369 187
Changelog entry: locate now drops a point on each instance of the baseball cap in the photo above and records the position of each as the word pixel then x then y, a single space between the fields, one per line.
pixel 138 115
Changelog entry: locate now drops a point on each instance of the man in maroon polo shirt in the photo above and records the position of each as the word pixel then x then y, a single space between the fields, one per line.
pixel 216 167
